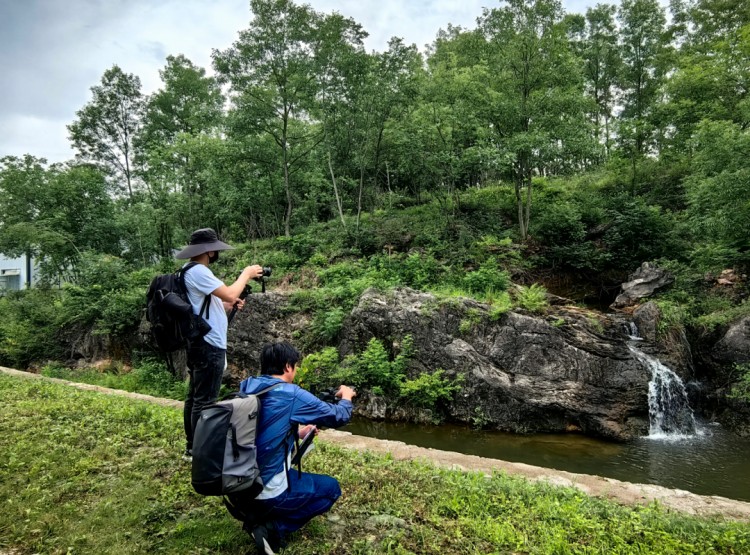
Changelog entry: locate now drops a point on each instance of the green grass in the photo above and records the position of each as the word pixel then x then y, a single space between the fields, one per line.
pixel 149 377
pixel 82 472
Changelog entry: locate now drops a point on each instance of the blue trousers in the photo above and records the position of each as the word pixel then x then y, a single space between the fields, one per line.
pixel 307 497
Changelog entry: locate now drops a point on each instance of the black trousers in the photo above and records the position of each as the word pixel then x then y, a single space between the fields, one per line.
pixel 205 366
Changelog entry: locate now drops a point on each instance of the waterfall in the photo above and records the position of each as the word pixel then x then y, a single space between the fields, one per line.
pixel 669 412
pixel 631 330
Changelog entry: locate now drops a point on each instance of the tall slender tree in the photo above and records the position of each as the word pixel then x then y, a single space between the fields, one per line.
pixel 106 126
pixel 644 44
pixel 540 108
pixel 271 70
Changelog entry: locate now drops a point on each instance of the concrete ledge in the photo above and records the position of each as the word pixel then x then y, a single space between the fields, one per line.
pixel 598 486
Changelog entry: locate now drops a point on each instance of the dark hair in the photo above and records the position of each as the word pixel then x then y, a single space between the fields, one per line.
pixel 275 356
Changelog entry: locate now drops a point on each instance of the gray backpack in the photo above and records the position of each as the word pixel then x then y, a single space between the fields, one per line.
pixel 224 452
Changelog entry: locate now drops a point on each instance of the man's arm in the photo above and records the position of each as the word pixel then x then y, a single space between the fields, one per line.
pixel 231 293
pixel 308 409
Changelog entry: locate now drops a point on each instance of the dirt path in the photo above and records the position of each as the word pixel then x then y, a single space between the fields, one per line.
pixel 622 492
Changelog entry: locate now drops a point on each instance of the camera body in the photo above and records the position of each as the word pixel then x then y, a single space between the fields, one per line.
pixel 328 395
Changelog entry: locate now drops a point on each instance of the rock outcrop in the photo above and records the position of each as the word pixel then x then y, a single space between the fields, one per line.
pixel 644 282
pixel 568 370
pixel 734 346
pixel 523 373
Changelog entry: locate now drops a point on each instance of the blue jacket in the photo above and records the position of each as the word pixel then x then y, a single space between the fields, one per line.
pixel 281 408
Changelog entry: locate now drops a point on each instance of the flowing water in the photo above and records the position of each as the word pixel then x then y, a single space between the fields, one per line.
pixel 677 453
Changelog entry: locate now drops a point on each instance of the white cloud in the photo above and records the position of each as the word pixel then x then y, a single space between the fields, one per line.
pixel 52 52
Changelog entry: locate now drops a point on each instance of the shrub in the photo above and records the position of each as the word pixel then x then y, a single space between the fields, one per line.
pixel 428 390
pixel 327 324
pixel 488 278
pixel 374 369
pixel 533 299
pixel 741 389
pixel 319 370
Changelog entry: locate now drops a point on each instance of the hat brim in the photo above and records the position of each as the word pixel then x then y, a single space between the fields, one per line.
pixel 195 250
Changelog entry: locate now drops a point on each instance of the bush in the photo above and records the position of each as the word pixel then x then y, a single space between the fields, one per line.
pixel 488 278
pixel 533 299
pixel 741 389
pixel 319 370
pixel 428 390
pixel 28 327
pixel 373 369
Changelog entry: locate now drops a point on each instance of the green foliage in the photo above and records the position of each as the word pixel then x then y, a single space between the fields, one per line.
pixel 430 390
pixel 499 305
pixel 472 319
pixel 673 316
pixel 488 278
pixel 741 389
pixel 532 298
pixel 149 376
pixel 327 324
pixel 318 370
pixel 28 330
pixel 374 368
pixel 90 473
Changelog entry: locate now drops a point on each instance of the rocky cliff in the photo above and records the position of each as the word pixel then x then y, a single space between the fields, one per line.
pixel 569 370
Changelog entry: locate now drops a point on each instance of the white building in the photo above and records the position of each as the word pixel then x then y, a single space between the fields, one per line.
pixel 16 273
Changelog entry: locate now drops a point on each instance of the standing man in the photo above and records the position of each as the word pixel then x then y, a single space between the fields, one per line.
pixel 210 298
pixel 289 498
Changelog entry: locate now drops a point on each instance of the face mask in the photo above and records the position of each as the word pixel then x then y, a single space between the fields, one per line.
pixel 213 258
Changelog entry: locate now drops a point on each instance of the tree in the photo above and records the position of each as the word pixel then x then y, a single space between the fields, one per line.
pixel 539 106
pixel 712 77
pixel 55 213
pixel 106 126
pixel 602 65
pixel 187 108
pixel 718 190
pixel 271 70
pixel 644 47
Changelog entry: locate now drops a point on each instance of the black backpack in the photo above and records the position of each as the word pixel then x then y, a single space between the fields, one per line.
pixel 168 309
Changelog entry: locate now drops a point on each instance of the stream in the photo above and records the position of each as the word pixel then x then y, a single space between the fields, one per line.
pixel 710 462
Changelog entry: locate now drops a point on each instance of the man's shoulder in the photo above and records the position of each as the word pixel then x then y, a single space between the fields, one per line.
pixel 200 274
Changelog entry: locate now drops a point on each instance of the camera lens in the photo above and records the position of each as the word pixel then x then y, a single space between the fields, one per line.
pixel 266 271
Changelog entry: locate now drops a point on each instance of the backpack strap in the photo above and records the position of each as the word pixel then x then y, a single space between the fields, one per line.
pixel 269 388
pixel 181 276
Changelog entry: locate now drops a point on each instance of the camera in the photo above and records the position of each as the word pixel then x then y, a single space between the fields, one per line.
pixel 328 395
pixel 266 271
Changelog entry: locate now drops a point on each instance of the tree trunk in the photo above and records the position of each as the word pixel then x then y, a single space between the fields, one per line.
pixel 336 192
pixel 359 196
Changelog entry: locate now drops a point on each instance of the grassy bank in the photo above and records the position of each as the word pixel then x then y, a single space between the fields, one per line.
pixel 82 472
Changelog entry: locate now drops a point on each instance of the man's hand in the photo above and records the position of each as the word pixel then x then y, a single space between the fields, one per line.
pixel 304 430
pixel 346 392
pixel 239 304
pixel 254 271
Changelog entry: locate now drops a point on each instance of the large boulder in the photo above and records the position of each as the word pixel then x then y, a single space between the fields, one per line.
pixel 642 283
pixel 734 346
pixel 265 318
pixel 570 370
pixel 671 347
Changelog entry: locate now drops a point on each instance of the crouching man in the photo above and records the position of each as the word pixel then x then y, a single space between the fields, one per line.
pixel 289 498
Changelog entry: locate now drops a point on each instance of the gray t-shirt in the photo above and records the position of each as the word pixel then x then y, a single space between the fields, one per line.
pixel 199 282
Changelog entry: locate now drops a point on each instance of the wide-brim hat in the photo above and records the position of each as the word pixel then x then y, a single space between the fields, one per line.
pixel 203 240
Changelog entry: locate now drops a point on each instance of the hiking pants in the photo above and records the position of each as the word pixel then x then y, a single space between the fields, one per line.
pixel 306 497
pixel 205 366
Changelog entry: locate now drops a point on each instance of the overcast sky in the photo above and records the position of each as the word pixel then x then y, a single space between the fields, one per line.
pixel 53 51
